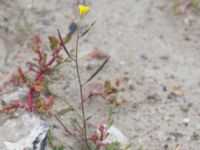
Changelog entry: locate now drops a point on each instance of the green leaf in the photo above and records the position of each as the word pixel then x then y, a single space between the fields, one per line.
pixel 113 146
pixel 140 147
pixel 110 123
pixel 92 146
pixel 175 5
pixel 59 148
pixel 50 137
pixel 107 85
pixel 76 125
pixel 47 82
pixel 47 92
pixel 50 141
pixel 128 146
pixel 194 4
pixel 110 112
pixel 63 111
pixel 53 42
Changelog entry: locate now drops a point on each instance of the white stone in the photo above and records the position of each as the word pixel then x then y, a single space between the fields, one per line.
pixel 115 135
pixel 17 95
pixel 186 120
pixel 24 132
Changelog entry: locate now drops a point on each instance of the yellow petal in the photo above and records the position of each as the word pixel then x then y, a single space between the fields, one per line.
pixel 83 10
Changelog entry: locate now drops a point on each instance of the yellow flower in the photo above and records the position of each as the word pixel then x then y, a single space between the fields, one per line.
pixel 83 10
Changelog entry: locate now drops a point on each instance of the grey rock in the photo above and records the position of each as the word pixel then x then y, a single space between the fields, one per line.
pixel 24 132
pixel 20 94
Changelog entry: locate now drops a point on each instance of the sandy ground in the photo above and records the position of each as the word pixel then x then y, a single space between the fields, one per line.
pixel 151 49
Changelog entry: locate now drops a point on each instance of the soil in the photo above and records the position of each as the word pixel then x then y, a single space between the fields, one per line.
pixel 154 53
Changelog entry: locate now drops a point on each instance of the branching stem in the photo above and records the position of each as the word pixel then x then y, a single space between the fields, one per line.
pixel 81 89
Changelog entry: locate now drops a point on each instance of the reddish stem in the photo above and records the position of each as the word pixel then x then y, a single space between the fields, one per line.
pixel 30 99
pixel 39 55
pixel 21 73
pixel 40 77
pixel 54 57
pixel 96 94
pixel 50 102
pixel 50 62
pixel 14 105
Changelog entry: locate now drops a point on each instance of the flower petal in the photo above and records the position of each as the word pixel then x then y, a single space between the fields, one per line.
pixel 83 10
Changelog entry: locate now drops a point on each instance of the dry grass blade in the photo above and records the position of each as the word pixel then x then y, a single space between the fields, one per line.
pixel 97 71
pixel 85 32
pixel 63 44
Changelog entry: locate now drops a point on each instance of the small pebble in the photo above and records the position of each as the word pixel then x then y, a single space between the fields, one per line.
pixel 169 139
pixel 187 38
pixel 154 97
pixel 130 85
pixel 189 104
pixel 185 105
pixel 144 57
pixel 122 63
pixel 45 22
pixel 166 146
pixel 184 108
pixel 196 136
pixel 164 88
pixel 5 19
pixel 176 135
pixel 171 96
pixel 91 64
pixel 186 121
pixel 164 57
pixel 156 67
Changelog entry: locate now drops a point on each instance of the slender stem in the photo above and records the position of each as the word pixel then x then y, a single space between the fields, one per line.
pixel 30 100
pixel 22 76
pixel 81 88
pixel 61 123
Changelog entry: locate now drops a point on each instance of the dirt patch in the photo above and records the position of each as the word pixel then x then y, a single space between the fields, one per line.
pixel 152 51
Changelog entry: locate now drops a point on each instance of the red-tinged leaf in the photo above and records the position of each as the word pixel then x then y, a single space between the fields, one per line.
pixel 38 88
pixel 35 48
pixel 37 40
pixel 97 54
pixel 36 43
pixel 40 77
pixel 50 102
pixel 117 82
pixel 93 138
pixel 22 74
pixel 95 95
